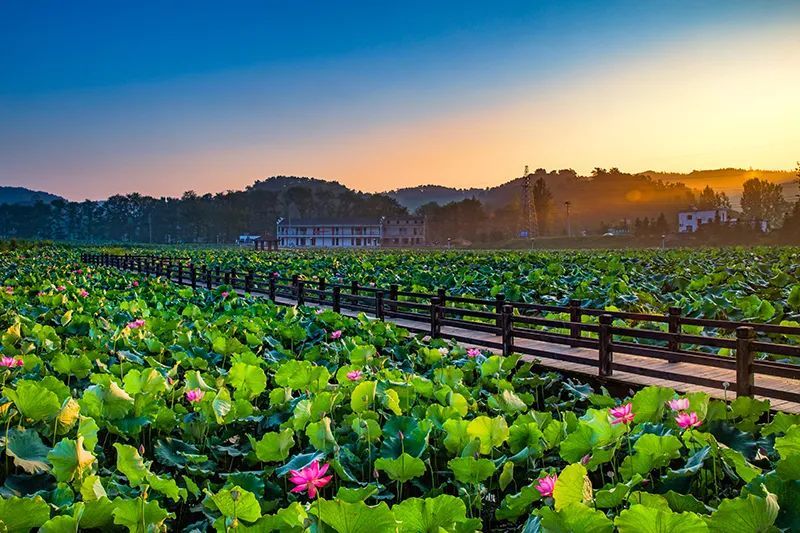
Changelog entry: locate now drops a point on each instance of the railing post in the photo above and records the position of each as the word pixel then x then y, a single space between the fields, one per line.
pixel 393 289
pixel 499 302
pixel 248 281
pixel 507 330
pixel 180 273
pixel 337 299
pixel 674 324
pixel 354 288
pixel 217 277
pixel 442 295
pixel 227 277
pixel 295 277
pixel 322 284
pixel 435 326
pixel 575 317
pixel 193 275
pixel 606 353
pixel 207 274
pixel 272 288
pixel 300 292
pixel 745 377
pixel 379 305
pixel 233 278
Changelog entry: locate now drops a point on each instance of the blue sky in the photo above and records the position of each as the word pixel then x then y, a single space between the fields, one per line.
pixel 98 98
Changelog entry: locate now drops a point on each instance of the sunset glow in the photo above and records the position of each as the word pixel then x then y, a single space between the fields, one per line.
pixel 457 103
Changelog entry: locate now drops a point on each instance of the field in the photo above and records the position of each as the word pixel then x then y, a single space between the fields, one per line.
pixel 136 404
pixel 758 284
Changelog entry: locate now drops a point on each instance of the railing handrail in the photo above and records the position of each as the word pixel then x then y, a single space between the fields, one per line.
pixel 604 335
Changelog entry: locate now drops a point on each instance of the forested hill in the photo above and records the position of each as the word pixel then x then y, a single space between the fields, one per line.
pixel 208 218
pixel 23 196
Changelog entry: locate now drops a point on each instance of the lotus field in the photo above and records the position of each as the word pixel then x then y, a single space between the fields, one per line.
pixel 131 403
pixel 754 284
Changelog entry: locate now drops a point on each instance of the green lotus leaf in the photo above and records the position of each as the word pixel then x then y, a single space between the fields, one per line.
pixel 457 437
pixel 650 452
pixel 248 380
pixel 237 503
pixel 642 519
pixel 70 460
pixel 20 515
pixel 650 402
pixel 491 432
pixel 344 517
pixel 576 517
pixel 321 436
pixel 139 516
pixel 130 463
pixel 28 451
pixel 430 515
pixel 401 469
pixel 572 486
pixel 363 396
pixel 273 446
pixel 469 470
pixel 78 365
pixel 751 514
pixel 33 400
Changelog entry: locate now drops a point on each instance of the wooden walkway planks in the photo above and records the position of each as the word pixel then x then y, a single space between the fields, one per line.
pixel 589 369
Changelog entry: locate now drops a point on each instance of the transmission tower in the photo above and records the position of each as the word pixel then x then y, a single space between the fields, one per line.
pixel 529 206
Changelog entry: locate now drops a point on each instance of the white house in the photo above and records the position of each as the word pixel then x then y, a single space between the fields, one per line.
pixel 690 221
pixel 329 233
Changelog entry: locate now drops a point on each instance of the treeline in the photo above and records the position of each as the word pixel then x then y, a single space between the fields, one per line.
pixel 192 218
pixel 609 200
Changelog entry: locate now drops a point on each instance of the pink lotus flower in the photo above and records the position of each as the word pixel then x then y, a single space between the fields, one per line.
pixel 225 294
pixel 61 288
pixel 444 351
pixel 275 275
pixel 473 352
pixel 546 485
pixel 194 395
pixel 681 404
pixel 688 420
pixel 622 414
pixel 319 311
pixel 586 458
pixel 9 290
pixel 84 293
pixel 135 283
pixel 10 362
pixel 336 334
pixel 354 375
pixel 40 293
pixel 310 478
pixel 78 271
pixel 136 324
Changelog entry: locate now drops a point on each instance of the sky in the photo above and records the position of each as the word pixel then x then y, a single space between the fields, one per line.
pixel 102 98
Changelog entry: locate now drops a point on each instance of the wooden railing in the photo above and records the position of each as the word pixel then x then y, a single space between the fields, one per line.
pixel 748 349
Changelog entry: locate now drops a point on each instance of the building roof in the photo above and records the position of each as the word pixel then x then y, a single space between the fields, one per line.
pixel 332 221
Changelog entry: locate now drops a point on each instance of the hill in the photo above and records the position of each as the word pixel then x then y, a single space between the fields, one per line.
pixel 23 196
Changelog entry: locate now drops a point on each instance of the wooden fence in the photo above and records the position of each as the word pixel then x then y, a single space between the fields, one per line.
pixel 749 349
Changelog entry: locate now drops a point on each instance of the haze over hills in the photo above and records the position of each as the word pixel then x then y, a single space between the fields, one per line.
pixel 23 196
pixel 727 180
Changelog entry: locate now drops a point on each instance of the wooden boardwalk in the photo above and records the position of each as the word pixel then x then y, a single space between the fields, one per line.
pixel 589 369
pixel 617 348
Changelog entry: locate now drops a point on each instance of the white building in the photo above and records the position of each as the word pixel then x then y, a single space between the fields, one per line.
pixel 690 221
pixel 329 233
pixel 403 231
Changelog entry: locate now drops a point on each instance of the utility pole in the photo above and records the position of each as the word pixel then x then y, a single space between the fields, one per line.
pixel 568 204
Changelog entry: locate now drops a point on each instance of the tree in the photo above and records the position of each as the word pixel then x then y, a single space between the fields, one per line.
pixel 709 199
pixel 762 200
pixel 543 201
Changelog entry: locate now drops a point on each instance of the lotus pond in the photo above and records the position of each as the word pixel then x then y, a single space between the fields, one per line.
pixel 754 284
pixel 130 403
